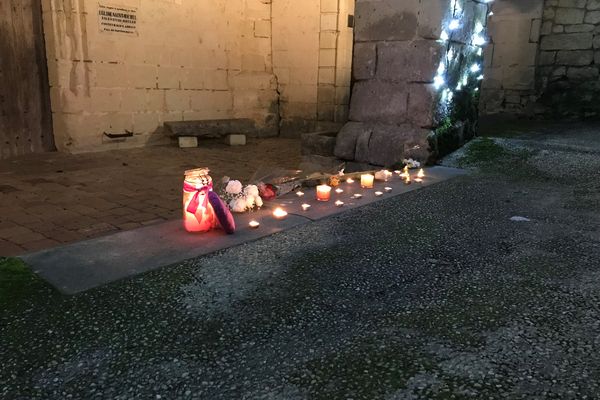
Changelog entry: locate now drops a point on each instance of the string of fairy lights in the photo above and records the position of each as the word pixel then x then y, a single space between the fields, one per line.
pixel 477 41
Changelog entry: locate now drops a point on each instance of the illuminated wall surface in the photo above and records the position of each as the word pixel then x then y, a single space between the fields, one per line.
pixel 131 65
pixel 418 66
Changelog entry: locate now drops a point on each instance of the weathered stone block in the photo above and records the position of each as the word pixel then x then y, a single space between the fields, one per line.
pixel 379 101
pixel 319 143
pixel 432 13
pixel 409 61
pixel 188 141
pixel 572 3
pixel 345 146
pixel 386 20
pixel 235 140
pixel 569 15
pixel 582 73
pixel 576 57
pixel 390 144
pixel 547 57
pixel 567 41
pixel 365 56
pixel 421 100
pixel 579 28
pixel 592 17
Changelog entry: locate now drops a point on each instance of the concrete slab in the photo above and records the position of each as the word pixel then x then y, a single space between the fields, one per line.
pixel 319 210
pixel 82 266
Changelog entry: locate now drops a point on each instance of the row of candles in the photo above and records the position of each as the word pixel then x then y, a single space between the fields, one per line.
pixel 367 181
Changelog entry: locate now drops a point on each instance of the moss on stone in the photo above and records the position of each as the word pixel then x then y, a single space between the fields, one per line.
pixel 18 284
pixel 484 150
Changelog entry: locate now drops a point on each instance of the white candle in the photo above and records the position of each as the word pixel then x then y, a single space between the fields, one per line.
pixel 299 193
pixel 339 203
pixel 419 180
pixel 387 189
pixel 306 207
pixel 350 180
pixel 357 196
pixel 254 224
pixel 339 191
pixel 323 192
pixel 280 213
pixel 378 194
pixel 366 181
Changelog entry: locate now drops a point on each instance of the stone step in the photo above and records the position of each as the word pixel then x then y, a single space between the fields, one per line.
pixel 213 128
pixel 319 143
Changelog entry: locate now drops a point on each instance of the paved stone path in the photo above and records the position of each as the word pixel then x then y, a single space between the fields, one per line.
pixel 50 199
pixel 435 294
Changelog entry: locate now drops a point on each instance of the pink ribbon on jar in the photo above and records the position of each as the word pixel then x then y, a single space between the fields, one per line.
pixel 195 202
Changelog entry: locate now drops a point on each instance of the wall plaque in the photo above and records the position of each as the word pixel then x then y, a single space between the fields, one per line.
pixel 117 19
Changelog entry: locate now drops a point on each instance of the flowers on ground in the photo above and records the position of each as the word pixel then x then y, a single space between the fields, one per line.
pixel 239 198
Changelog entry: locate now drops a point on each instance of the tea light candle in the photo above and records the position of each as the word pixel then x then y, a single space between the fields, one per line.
pixel 421 174
pixel 378 194
pixel 254 224
pixel 357 196
pixel 366 181
pixel 419 180
pixel 339 191
pixel 306 207
pixel 323 192
pixel 387 189
pixel 339 203
pixel 405 172
pixel 299 193
pixel 349 180
pixel 280 213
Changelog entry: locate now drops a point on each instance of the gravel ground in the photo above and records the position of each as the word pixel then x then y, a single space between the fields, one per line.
pixel 436 294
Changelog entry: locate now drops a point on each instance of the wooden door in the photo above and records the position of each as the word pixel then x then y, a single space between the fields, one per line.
pixel 25 117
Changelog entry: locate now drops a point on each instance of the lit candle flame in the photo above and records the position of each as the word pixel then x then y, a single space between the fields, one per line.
pixel 338 190
pixel 407 181
pixel 421 174
pixel 349 180
pixel 357 196
pixel 339 203
pixel 299 193
pixel 280 213
pixel 306 207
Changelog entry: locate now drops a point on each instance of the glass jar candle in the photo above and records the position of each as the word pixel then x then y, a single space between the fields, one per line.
pixel 198 214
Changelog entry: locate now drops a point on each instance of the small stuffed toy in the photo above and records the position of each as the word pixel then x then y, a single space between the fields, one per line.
pixel 222 213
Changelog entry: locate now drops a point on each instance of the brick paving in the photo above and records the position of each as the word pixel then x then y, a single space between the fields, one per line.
pixel 54 198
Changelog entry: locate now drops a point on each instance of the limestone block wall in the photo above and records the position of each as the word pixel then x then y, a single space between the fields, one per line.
pixel 417 67
pixel 186 60
pixel 312 59
pixel 511 57
pixel 569 58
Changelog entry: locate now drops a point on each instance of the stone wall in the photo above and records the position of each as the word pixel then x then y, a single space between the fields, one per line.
pixel 417 72
pixel 569 58
pixel 510 57
pixel 312 59
pixel 191 60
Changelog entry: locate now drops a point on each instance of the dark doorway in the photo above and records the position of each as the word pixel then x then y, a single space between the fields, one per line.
pixel 25 116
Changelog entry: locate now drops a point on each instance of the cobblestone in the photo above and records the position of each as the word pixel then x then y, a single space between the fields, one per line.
pixel 54 198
